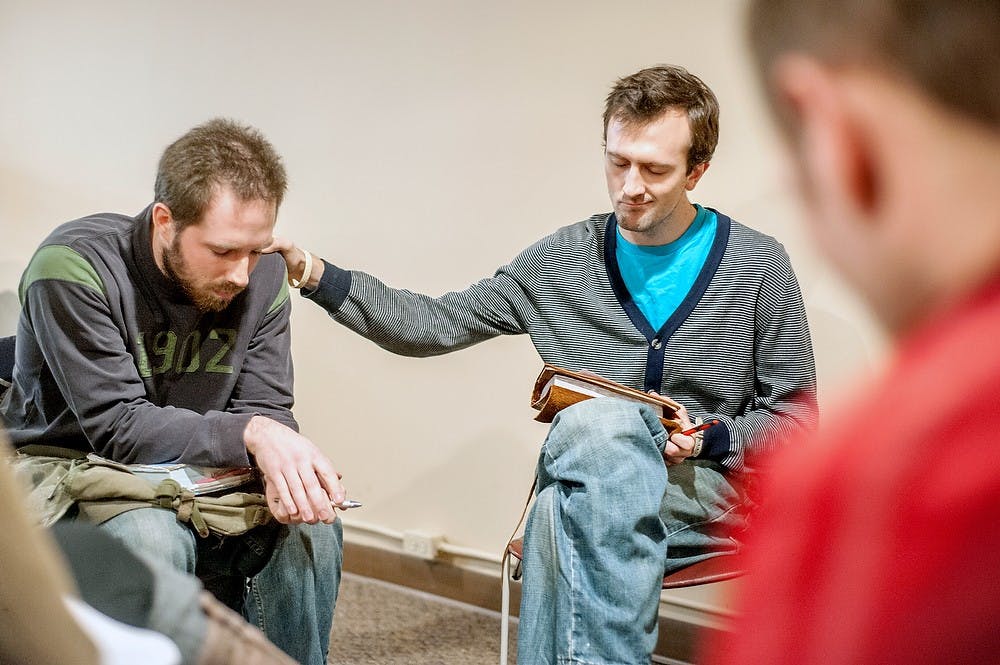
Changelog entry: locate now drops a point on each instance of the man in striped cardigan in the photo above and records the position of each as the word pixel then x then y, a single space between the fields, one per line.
pixel 659 295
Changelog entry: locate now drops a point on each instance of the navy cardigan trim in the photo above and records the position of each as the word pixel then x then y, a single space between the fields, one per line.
pixel 333 288
pixel 717 443
pixel 657 338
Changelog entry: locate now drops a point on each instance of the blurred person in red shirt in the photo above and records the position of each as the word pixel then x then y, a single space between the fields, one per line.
pixel 879 542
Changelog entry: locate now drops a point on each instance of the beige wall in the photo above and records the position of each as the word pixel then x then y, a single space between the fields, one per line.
pixel 427 143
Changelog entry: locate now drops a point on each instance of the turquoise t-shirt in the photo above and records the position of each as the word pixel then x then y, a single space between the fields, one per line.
pixel 659 277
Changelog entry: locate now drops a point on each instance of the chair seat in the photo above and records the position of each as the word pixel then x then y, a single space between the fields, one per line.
pixel 715 569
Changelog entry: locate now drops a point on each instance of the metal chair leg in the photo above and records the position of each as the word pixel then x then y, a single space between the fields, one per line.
pixel 505 609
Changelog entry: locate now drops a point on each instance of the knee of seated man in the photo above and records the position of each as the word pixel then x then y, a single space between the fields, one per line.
pixel 600 419
pixel 328 541
pixel 320 542
pixel 601 433
pixel 155 533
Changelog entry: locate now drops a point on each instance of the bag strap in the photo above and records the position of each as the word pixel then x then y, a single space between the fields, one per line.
pixel 40 450
pixel 169 494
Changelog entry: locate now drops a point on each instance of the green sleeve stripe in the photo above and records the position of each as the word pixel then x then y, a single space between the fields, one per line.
pixel 280 299
pixel 62 263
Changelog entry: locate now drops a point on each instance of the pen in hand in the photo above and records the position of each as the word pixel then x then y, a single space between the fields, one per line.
pixel 343 505
pixel 699 428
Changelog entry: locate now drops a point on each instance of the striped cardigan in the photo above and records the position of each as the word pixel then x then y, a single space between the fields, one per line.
pixel 736 349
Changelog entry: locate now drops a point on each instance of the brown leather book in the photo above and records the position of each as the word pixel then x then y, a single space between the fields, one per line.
pixel 556 388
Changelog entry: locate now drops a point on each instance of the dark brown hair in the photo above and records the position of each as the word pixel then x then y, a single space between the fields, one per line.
pixel 217 153
pixel 647 94
pixel 948 48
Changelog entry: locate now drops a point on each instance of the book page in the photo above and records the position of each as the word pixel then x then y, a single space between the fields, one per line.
pixel 591 390
pixel 195 479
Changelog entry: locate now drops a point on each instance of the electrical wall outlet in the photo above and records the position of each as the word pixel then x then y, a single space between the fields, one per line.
pixel 422 545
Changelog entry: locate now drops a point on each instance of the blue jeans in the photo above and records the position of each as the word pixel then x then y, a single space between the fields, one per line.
pixel 609 518
pixel 291 599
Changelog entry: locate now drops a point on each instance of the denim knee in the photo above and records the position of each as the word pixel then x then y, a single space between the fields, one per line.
pixel 328 543
pixel 600 432
pixel 155 533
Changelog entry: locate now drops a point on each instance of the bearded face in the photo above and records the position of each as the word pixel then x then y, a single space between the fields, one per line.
pixel 211 260
pixel 208 295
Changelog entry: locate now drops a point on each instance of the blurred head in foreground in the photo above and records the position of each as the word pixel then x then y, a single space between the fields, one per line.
pixel 875 541
pixel 891 109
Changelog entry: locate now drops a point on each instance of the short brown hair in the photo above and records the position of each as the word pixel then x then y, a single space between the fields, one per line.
pixel 647 94
pixel 216 153
pixel 950 49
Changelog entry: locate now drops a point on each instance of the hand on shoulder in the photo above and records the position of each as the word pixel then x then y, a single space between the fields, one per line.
pixel 304 268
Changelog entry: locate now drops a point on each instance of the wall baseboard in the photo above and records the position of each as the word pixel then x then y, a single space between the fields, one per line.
pixel 677 639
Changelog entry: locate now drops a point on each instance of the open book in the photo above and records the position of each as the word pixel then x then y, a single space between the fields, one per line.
pixel 556 388
pixel 195 479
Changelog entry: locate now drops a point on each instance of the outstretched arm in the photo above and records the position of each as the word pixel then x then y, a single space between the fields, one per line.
pixel 408 323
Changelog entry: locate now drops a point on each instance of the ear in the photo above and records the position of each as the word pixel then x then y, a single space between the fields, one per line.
pixel 163 223
pixel 838 164
pixel 696 173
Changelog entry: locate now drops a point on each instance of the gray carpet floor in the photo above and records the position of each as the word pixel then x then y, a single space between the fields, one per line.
pixel 383 624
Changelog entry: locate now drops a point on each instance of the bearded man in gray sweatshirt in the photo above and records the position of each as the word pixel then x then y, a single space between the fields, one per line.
pixel 164 337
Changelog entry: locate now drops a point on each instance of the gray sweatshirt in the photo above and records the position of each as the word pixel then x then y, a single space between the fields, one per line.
pixel 112 357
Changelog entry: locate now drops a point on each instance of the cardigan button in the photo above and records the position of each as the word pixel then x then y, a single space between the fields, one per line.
pixel 656 344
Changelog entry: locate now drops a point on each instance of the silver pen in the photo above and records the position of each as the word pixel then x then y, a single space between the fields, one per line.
pixel 347 503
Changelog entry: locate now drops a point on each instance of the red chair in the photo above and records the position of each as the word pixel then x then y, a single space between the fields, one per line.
pixel 715 569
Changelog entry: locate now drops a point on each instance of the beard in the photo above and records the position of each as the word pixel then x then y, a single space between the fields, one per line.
pixel 203 296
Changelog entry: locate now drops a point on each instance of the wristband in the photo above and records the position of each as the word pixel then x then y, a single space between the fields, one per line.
pixel 306 272
pixel 699 439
